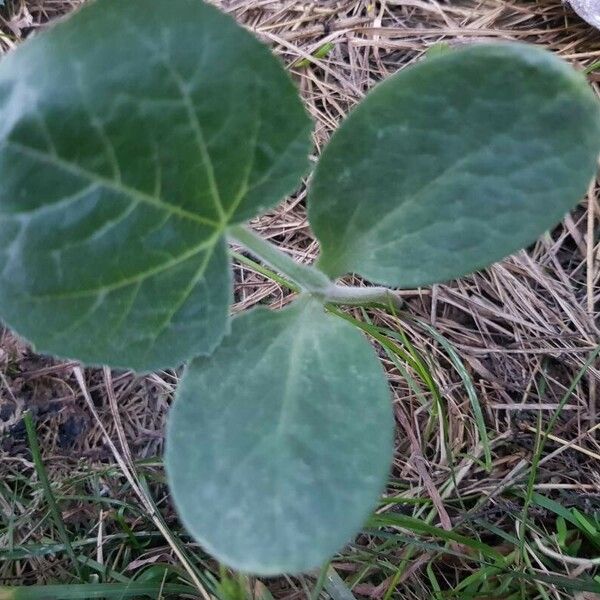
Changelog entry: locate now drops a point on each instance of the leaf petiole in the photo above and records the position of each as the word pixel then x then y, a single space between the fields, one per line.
pixel 310 279
pixel 360 296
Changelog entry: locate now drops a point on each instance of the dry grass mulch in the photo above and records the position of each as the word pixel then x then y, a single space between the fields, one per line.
pixel 521 333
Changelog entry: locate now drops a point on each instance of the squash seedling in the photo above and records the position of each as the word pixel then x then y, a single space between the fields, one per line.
pixel 136 140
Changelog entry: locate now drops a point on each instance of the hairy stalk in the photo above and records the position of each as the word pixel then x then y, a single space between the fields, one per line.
pixel 339 294
pixel 310 279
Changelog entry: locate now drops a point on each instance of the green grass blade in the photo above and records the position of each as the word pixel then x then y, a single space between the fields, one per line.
pixel 418 526
pixel 537 455
pixel 38 550
pixel 336 587
pixel 95 590
pixel 554 507
pixel 468 385
pixel 581 584
pixel 47 489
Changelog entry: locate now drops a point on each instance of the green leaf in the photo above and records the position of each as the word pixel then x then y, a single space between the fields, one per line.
pixel 131 136
pixel 280 442
pixel 453 164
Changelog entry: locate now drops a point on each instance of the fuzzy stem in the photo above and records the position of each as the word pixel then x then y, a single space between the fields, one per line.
pixel 338 294
pixel 308 278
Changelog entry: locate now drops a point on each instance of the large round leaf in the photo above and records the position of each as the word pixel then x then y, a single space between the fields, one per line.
pixel 130 137
pixel 453 164
pixel 279 443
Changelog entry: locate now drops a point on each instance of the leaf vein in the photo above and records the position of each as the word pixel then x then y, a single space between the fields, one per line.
pixel 205 245
pixel 121 188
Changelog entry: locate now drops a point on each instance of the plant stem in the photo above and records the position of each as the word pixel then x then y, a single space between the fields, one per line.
pixel 339 294
pixel 308 278
pixel 265 271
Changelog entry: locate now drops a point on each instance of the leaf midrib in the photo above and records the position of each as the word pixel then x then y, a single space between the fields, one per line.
pixel 111 184
pixel 367 234
pixel 207 245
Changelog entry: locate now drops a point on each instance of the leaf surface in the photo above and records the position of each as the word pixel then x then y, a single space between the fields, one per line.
pixel 453 164
pixel 131 136
pixel 280 442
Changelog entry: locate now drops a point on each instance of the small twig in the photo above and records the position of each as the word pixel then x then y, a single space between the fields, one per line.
pixel 420 465
pixel 590 273
pixel 572 444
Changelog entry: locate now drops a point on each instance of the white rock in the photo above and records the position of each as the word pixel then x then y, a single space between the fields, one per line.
pixel 588 10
